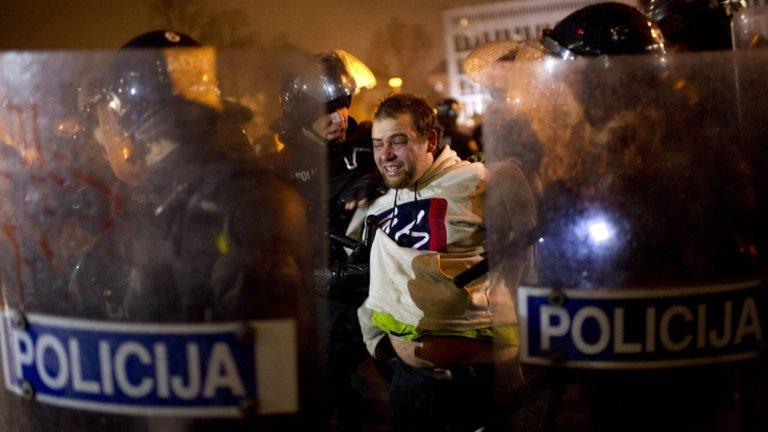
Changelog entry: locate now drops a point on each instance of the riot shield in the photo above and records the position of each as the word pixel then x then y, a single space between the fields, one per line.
pixel 750 40
pixel 641 305
pixel 158 252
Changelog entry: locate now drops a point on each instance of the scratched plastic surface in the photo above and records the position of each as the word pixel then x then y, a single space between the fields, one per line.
pixel 62 209
pixel 647 173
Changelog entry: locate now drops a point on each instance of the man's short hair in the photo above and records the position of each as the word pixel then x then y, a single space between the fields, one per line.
pixel 405 103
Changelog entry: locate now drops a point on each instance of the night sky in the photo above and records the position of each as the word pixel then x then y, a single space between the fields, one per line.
pixel 312 25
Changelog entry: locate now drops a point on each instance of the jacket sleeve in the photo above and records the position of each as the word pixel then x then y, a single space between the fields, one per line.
pixel 510 203
pixel 511 223
pixel 372 335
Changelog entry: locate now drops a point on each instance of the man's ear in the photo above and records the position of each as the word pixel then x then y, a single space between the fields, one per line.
pixel 432 140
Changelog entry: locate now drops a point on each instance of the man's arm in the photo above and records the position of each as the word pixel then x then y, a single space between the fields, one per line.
pixel 510 203
pixel 510 215
pixel 511 222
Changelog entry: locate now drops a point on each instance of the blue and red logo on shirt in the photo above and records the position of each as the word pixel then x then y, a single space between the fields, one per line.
pixel 417 224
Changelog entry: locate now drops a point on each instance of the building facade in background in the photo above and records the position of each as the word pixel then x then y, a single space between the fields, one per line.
pixel 468 27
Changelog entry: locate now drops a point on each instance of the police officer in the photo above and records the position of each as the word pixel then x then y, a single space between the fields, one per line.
pixel 698 25
pixel 447 112
pixel 196 235
pixel 353 179
pixel 629 178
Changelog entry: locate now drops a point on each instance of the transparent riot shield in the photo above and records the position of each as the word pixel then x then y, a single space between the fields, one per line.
pixel 158 251
pixel 639 290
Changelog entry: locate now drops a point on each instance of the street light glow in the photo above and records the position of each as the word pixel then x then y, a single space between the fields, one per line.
pixel 395 82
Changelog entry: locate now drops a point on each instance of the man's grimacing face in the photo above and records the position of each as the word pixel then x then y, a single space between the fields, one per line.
pixel 401 154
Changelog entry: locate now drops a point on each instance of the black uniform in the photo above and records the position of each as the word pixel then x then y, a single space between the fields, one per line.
pixel 189 243
pixel 205 238
pixel 341 285
pixel 351 174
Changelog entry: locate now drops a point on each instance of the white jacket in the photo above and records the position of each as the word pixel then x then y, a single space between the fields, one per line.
pixel 427 235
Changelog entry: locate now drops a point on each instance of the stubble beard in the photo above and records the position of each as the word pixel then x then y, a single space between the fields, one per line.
pixel 400 182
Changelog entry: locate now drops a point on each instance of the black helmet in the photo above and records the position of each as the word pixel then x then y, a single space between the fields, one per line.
pixel 603 29
pixel 339 94
pixel 694 25
pixel 328 84
pixel 161 39
pixel 447 111
pixel 166 84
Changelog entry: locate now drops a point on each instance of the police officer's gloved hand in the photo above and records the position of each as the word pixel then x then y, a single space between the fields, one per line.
pixel 366 189
pixel 359 255
pixel 344 281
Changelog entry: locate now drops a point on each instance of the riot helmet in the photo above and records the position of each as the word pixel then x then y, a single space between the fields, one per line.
pixel 162 85
pixel 603 29
pixel 694 25
pixel 330 84
pixel 340 84
pixel 161 39
pixel 481 59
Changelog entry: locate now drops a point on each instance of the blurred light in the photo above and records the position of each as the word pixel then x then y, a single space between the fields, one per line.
pixel 69 126
pixel 395 82
pixel 133 90
pixel 172 36
pixel 114 104
pixel 549 65
pixel 599 231
pixel 463 22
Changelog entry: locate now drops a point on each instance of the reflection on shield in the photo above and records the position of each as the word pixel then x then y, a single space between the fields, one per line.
pixel 646 281
pixel 157 259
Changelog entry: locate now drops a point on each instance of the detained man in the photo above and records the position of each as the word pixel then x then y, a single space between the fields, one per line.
pixel 430 229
